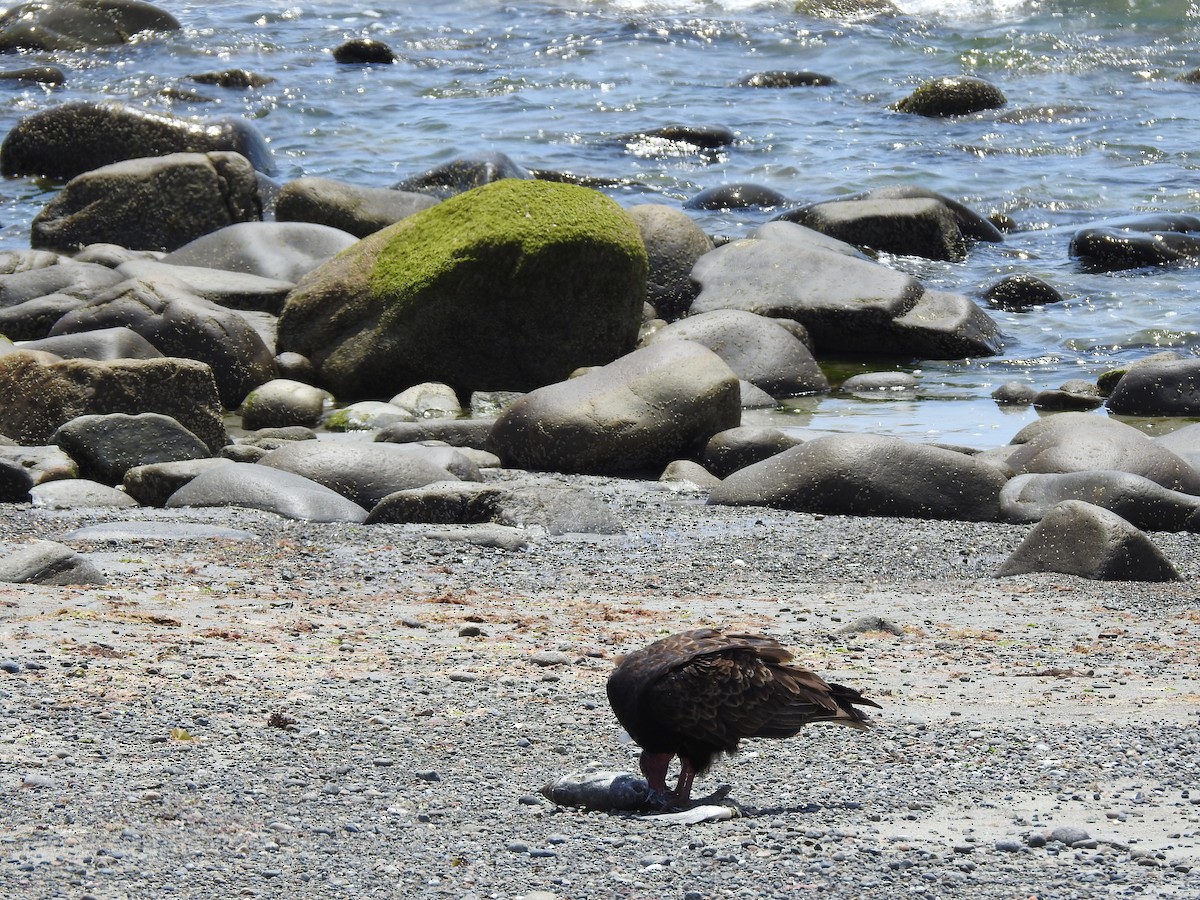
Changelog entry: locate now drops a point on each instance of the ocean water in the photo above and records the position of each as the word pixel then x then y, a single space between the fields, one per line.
pixel 554 85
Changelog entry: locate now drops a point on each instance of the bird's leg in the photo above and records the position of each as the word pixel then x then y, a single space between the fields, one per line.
pixel 654 767
pixel 683 787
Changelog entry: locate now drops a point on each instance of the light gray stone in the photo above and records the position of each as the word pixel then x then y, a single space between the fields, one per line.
pixel 635 414
pixel 272 490
pixel 1077 538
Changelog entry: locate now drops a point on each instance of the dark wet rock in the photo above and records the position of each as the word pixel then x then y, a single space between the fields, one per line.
pixel 15 481
pixel 676 140
pixel 533 296
pixel 46 463
pixel 685 473
pixel 956 95
pixel 786 79
pixel 1070 396
pixel 363 471
pixel 182 324
pixel 79 24
pixel 1082 442
pixel 1021 291
pixel 756 348
pixel 359 211
pixel 463 174
pixel 973 225
pixel 41 395
pixel 1077 538
pixel 1167 388
pixel 475 432
pixel 1153 240
pixel 282 251
pixel 154 203
pixel 360 51
pixel 233 78
pixel 263 487
pixel 906 226
pixel 879 383
pixel 735 448
pixel 1140 501
pixel 673 244
pixel 1108 379
pixel 106 446
pixel 49 563
pixel 736 196
pixel 79 493
pixel 281 402
pixel 635 414
pixel 441 503
pixel 47 75
pixel 103 343
pixel 1016 393
pixel 868 475
pixel 73 138
pixel 152 484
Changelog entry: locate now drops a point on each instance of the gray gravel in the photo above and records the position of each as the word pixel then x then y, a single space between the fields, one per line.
pixel 367 711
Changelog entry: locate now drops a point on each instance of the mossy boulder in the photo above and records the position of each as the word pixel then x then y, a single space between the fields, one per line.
pixel 951 96
pixel 509 286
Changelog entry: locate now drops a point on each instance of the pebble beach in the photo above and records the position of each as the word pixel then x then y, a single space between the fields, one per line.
pixel 341 710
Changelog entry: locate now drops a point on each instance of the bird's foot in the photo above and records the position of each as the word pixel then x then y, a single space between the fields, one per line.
pixel 670 801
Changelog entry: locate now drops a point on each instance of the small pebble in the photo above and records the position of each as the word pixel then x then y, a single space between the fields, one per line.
pixel 11 666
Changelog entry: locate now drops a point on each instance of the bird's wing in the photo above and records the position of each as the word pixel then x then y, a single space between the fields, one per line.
pixel 722 697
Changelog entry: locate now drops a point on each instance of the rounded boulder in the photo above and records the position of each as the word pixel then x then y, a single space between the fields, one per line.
pixel 509 286
pixel 638 413
pixel 869 475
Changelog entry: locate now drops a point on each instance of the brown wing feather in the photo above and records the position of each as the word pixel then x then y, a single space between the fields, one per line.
pixel 702 691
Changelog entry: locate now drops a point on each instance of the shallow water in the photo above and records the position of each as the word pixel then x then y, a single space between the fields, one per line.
pixel 552 85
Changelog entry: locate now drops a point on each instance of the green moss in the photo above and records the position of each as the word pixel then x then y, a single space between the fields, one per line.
pixel 526 217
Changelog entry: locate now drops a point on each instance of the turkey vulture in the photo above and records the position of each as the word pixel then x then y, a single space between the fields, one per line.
pixel 696 694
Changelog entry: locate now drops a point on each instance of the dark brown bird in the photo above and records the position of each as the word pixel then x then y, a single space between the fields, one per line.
pixel 696 694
